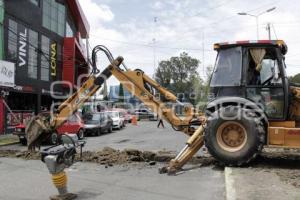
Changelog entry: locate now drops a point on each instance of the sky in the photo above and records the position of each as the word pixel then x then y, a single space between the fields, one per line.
pixel 145 32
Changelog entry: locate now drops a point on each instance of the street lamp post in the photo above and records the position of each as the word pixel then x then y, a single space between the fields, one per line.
pixel 256 17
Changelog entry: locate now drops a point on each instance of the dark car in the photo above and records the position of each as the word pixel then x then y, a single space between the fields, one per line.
pixel 97 123
pixel 145 114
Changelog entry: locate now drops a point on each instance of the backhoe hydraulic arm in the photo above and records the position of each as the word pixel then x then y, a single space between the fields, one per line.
pixel 152 94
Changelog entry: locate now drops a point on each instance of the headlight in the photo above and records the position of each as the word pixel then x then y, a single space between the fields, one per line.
pixel 18 129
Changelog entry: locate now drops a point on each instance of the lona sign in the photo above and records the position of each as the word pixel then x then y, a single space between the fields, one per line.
pixel 53 59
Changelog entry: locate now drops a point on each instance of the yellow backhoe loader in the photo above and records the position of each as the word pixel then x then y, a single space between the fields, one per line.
pixel 251 105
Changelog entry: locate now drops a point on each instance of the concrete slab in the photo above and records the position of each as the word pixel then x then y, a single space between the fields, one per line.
pixel 256 184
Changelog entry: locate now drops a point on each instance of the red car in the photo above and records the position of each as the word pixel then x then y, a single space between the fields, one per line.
pixel 74 125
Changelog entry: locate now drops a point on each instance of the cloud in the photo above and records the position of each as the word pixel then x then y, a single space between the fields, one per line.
pixel 158 5
pixel 96 13
pixel 128 28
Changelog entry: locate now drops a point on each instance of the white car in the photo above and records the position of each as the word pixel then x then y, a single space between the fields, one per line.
pixel 118 119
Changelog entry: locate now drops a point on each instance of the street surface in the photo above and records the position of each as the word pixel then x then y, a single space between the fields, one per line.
pixel 276 171
pixel 144 136
pixel 30 180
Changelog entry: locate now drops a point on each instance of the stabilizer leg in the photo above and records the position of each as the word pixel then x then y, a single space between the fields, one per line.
pixel 194 143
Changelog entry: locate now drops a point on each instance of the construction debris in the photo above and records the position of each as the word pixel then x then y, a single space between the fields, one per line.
pixel 109 156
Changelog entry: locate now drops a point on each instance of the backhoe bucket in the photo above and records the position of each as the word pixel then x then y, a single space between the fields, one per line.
pixel 37 130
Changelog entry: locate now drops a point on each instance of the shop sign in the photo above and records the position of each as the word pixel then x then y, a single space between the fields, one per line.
pixel 7 74
pixel 53 59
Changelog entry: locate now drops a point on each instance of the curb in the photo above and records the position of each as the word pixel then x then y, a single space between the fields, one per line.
pixel 11 143
pixel 229 184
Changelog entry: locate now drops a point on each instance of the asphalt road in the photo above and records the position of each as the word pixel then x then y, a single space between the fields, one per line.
pixel 144 136
pixel 30 180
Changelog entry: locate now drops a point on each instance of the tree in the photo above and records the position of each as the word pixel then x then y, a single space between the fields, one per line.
pixel 104 92
pixel 295 79
pixel 121 94
pixel 180 75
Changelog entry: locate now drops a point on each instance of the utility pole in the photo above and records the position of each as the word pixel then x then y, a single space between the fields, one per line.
pixel 256 17
pixel 203 55
pixel 269 30
pixel 154 45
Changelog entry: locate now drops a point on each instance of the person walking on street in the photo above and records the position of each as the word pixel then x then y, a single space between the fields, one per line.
pixel 161 122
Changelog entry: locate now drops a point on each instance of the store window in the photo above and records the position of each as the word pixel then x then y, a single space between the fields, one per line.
pixel 32 54
pixel 54 17
pixel 45 59
pixel 35 2
pixel 69 30
pixel 12 40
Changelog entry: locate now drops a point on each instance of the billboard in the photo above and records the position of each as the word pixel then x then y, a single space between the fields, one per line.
pixel 7 74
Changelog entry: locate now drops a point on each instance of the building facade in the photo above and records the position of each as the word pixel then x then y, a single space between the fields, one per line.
pixel 44 40
pixel 128 98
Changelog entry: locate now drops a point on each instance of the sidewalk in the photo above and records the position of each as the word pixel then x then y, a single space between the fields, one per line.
pixel 8 139
pixel 258 183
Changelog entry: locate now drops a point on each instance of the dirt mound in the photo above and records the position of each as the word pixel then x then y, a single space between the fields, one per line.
pixel 109 156
pixel 27 155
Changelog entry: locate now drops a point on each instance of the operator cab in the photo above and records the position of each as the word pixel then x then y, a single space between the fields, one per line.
pixel 254 70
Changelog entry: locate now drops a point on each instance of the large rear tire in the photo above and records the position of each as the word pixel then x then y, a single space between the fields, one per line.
pixel 234 135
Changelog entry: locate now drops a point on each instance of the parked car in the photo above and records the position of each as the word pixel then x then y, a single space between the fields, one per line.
pixel 145 114
pixel 97 123
pixel 20 132
pixel 118 119
pixel 124 114
pixel 74 125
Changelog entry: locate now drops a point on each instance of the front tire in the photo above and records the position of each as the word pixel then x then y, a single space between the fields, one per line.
pixel 53 138
pixel 23 141
pixel 80 134
pixel 109 130
pixel 98 132
pixel 234 135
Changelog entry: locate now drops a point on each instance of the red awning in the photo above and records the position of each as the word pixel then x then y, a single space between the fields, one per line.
pixel 73 53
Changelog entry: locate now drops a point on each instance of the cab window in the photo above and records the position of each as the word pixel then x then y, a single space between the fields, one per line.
pixel 264 81
pixel 229 62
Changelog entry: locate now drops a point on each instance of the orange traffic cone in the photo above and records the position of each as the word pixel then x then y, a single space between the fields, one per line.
pixel 134 120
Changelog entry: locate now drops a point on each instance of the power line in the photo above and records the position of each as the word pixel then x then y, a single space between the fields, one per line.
pixel 228 18
pixel 149 45
pixel 215 7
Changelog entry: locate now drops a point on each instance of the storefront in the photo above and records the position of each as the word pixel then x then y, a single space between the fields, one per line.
pixel 36 35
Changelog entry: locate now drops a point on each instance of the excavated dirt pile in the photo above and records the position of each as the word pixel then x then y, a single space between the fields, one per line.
pixel 109 156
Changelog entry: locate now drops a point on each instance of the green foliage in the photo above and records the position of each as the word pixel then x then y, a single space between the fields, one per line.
pixel 180 75
pixel 121 94
pixel 104 91
pixel 295 79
